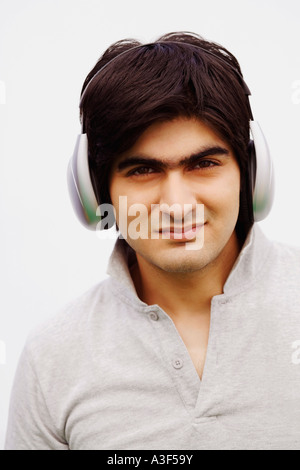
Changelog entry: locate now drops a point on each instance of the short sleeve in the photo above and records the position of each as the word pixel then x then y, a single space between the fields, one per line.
pixel 30 426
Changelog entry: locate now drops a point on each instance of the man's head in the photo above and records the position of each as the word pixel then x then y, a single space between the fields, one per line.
pixel 178 76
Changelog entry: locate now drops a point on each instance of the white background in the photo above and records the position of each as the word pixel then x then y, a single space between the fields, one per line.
pixel 47 47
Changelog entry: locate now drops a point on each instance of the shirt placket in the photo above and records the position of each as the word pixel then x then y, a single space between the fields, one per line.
pixel 176 358
pixel 210 395
pixel 200 397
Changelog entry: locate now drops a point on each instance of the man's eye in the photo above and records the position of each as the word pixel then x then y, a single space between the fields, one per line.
pixel 205 164
pixel 142 170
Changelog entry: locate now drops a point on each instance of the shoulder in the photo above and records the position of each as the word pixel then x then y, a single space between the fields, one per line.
pixel 286 255
pixel 281 270
pixel 70 325
pixel 57 353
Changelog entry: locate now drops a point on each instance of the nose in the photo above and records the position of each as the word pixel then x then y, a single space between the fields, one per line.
pixel 177 198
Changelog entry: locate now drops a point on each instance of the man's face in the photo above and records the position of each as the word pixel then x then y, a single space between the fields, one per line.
pixel 182 162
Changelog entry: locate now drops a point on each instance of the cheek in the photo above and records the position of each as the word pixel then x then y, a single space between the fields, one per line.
pixel 118 195
pixel 232 195
pixel 128 202
pixel 223 196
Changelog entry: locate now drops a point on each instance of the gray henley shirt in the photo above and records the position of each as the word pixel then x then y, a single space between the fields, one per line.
pixel 111 372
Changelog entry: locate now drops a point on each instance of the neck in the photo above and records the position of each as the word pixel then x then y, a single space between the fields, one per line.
pixel 184 294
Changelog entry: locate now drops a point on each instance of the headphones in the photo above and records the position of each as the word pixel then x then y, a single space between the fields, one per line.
pixel 82 193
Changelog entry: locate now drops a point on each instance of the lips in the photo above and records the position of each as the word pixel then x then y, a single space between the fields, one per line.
pixel 180 229
pixel 180 233
pixel 177 229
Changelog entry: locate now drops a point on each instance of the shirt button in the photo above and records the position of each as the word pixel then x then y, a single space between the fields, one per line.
pixel 154 316
pixel 177 363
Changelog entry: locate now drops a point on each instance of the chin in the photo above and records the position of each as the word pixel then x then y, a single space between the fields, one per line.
pixel 180 269
pixel 181 262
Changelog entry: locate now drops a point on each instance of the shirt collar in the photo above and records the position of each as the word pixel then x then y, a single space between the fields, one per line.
pixel 244 272
pixel 120 261
pixel 249 262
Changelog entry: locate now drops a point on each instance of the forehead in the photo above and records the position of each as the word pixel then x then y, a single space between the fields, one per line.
pixel 171 141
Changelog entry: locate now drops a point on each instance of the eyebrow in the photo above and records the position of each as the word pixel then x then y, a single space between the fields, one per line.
pixel 161 163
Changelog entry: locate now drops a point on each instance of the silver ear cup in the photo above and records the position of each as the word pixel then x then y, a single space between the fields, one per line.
pixel 80 187
pixel 263 193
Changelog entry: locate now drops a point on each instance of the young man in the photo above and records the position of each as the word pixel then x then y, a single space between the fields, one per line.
pixel 194 340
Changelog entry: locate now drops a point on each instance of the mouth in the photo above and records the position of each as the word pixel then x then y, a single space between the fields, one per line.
pixel 180 232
